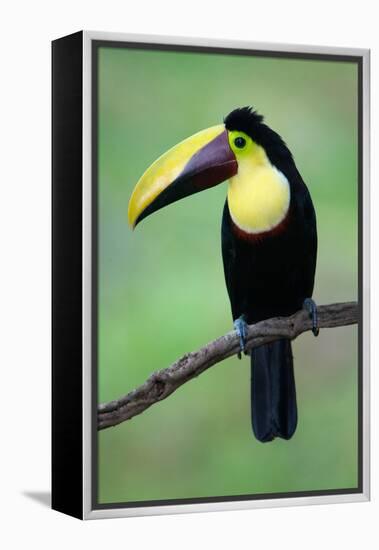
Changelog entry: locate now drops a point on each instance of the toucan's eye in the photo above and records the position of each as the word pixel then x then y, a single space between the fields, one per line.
pixel 240 142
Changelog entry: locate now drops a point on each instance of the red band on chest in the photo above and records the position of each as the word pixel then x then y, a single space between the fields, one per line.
pixel 258 237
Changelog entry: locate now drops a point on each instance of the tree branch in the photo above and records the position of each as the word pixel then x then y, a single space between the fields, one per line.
pixel 163 383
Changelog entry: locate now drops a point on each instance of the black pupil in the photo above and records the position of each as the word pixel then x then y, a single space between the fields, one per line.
pixel 240 142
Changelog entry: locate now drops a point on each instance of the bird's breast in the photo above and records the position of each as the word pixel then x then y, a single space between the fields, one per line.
pixel 259 200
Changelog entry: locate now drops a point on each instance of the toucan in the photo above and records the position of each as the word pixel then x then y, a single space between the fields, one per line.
pixel 269 242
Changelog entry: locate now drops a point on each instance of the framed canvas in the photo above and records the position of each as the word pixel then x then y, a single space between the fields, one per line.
pixel 195 368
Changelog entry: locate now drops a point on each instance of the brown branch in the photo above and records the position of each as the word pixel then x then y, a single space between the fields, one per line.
pixel 163 383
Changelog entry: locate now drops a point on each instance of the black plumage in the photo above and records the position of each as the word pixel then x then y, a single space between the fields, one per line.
pixel 271 275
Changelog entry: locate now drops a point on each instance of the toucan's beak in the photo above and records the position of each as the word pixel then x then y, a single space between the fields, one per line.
pixel 197 163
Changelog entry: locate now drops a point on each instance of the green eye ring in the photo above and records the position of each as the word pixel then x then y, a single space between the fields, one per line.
pixel 240 142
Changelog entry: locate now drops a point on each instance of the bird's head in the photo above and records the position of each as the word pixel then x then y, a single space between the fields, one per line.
pixel 202 161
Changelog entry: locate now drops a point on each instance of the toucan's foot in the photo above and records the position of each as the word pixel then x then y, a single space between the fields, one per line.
pixel 311 307
pixel 240 326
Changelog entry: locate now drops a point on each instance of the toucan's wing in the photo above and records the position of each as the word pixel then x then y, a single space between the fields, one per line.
pixel 308 231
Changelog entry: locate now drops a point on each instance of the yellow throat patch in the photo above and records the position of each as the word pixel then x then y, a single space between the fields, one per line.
pixel 259 194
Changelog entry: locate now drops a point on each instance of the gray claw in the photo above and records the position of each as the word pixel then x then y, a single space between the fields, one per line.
pixel 311 307
pixel 241 329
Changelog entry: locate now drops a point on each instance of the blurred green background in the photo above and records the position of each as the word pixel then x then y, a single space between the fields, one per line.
pixel 162 292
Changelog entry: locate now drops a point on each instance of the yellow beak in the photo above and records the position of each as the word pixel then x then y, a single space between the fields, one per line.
pixel 197 163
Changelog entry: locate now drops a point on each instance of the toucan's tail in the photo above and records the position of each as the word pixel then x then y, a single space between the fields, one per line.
pixel 273 394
